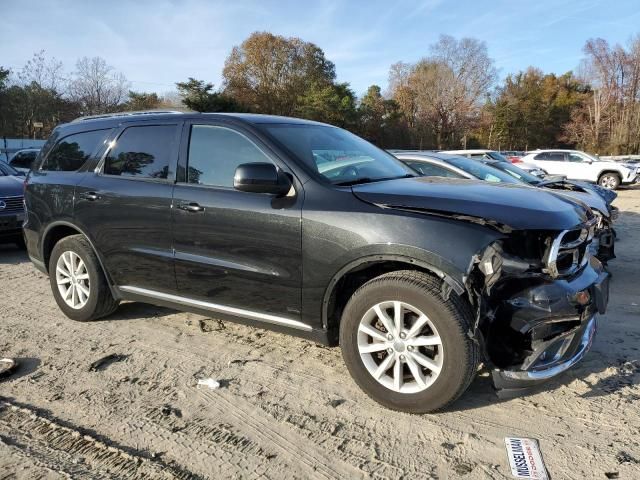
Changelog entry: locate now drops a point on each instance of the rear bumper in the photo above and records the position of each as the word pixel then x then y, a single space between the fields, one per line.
pixel 553 330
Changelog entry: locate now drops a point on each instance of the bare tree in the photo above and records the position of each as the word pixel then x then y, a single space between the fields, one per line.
pixel 97 87
pixel 444 92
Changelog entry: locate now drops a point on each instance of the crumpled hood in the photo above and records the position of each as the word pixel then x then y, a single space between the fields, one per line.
pixel 607 195
pixel 11 186
pixel 517 207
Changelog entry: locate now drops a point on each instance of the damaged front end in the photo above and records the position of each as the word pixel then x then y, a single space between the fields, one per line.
pixel 536 295
pixel 603 244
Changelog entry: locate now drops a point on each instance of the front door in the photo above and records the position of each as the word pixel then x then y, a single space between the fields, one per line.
pixel 126 206
pixel 239 251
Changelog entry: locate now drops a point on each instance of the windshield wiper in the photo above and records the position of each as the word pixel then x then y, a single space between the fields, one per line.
pixel 356 181
pixel 371 180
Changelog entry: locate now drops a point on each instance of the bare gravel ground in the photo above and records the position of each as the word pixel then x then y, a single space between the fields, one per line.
pixel 287 407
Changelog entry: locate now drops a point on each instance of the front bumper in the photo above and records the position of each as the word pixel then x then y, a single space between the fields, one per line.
pixel 11 226
pixel 569 350
pixel 555 331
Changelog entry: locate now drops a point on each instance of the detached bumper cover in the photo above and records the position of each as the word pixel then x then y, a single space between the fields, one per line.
pixel 560 340
pixel 574 346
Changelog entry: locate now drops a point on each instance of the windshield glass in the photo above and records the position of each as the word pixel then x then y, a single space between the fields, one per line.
pixel 516 172
pixel 6 169
pixel 498 156
pixel 338 156
pixel 481 170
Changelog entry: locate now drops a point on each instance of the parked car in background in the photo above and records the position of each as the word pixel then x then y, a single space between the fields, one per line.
pixel 11 206
pixel 240 215
pixel 513 156
pixel 480 154
pixel 23 160
pixel 445 165
pixel 577 165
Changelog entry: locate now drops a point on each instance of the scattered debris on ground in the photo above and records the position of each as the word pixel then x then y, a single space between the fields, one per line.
pixel 7 366
pixel 104 362
pixel 210 325
pixel 208 382
pixel 525 458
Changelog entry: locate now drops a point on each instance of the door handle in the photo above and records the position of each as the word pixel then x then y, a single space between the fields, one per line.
pixel 191 207
pixel 91 196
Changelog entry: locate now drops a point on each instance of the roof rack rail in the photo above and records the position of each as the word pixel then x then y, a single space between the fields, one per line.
pixel 124 114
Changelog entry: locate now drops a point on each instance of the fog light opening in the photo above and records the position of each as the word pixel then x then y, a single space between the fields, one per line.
pixel 583 297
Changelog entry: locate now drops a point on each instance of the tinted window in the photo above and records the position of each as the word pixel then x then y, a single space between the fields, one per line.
pixel 24 159
pixel 575 158
pixel 215 152
pixel 431 170
pixel 70 153
pixel 541 156
pixel 555 156
pixel 142 152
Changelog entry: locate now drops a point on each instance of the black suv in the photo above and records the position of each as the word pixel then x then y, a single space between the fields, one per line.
pixel 307 229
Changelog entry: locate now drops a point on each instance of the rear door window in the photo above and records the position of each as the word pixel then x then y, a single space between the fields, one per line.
pixel 71 152
pixel 555 156
pixel 142 152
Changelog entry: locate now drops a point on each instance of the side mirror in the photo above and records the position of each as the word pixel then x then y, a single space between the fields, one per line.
pixel 588 160
pixel 261 178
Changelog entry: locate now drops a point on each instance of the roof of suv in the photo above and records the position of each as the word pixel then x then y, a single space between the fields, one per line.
pixel 170 115
pixel 477 150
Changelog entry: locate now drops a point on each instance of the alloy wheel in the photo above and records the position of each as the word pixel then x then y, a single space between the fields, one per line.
pixel 72 278
pixel 400 347
pixel 609 182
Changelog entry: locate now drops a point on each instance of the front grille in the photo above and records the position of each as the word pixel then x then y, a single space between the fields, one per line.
pixel 569 250
pixel 11 204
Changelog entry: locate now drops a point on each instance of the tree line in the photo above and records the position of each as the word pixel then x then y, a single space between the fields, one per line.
pixel 451 98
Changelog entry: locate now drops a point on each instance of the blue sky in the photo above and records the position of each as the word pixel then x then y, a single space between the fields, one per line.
pixel 156 43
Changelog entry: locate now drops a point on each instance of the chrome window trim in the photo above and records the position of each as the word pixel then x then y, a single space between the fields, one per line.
pixel 214 307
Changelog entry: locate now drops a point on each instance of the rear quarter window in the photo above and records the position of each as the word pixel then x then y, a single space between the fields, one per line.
pixel 71 152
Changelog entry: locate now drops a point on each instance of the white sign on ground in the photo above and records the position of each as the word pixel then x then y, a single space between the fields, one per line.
pixel 525 459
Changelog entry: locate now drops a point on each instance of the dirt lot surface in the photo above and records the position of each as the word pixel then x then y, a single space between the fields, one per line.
pixel 117 398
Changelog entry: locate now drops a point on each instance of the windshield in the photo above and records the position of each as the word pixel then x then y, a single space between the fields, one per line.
pixel 338 156
pixel 6 169
pixel 516 172
pixel 498 156
pixel 481 170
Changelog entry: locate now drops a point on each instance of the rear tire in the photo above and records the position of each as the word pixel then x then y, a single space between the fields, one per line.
pixel 610 181
pixel 436 365
pixel 85 275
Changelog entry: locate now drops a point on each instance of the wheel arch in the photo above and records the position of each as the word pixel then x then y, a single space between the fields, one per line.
pixel 60 229
pixel 357 272
pixel 609 170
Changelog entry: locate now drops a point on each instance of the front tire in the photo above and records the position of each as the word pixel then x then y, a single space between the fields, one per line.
pixel 406 346
pixel 78 283
pixel 610 181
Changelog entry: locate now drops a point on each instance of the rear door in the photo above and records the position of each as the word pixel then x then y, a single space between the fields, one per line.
pixel 125 205
pixel 552 162
pixel 237 250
